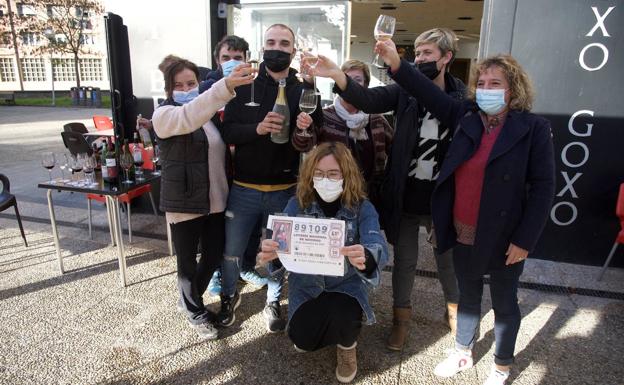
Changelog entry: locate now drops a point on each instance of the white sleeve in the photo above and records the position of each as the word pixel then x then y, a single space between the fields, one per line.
pixel 180 120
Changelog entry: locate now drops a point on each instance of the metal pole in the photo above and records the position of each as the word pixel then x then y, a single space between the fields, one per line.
pixel 52 67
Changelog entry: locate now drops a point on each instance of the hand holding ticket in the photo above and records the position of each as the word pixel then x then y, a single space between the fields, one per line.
pixel 308 245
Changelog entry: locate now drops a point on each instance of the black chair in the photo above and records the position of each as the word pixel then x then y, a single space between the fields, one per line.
pixel 7 200
pixel 75 127
pixel 76 143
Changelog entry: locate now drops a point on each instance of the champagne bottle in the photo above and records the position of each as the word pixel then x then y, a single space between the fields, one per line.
pixel 126 149
pixel 144 133
pixel 281 107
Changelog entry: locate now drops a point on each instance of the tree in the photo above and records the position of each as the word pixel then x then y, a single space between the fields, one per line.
pixel 64 26
pixel 54 26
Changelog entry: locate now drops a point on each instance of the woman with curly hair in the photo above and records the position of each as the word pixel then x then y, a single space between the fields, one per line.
pixel 325 310
pixel 492 197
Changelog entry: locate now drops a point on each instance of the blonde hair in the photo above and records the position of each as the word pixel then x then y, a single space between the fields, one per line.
pixel 353 185
pixel 353 64
pixel 520 88
pixel 444 38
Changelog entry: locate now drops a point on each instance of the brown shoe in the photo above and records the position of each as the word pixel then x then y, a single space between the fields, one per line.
pixel 451 317
pixel 400 328
pixel 346 365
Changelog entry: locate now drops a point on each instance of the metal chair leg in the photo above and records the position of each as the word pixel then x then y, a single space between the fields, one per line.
pixel 109 216
pixel 153 204
pixel 129 224
pixel 606 264
pixel 19 223
pixel 89 214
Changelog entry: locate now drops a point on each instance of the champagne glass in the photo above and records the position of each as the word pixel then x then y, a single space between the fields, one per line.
pixel 312 58
pixel 48 161
pixel 156 159
pixel 126 161
pixel 137 155
pixel 80 161
pixel 253 58
pixel 307 104
pixel 384 30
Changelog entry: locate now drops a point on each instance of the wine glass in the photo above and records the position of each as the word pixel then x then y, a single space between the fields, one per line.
pixel 307 104
pixel 137 155
pixel 156 159
pixel 79 166
pixel 126 161
pixel 88 166
pixel 312 58
pixel 253 58
pixel 63 165
pixel 48 161
pixel 384 30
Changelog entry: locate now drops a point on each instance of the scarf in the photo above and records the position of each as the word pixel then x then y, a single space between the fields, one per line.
pixel 356 122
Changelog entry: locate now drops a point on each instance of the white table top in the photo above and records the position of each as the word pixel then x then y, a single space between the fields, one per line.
pixel 109 132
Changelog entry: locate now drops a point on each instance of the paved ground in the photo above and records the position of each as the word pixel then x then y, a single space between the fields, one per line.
pixel 83 328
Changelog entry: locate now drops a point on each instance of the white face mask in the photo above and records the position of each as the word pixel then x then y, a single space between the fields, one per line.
pixel 327 189
pixel 491 101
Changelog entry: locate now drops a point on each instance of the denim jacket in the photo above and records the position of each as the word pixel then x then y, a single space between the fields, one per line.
pixel 362 227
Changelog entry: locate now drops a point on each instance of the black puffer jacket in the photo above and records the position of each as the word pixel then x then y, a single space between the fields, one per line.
pixel 408 114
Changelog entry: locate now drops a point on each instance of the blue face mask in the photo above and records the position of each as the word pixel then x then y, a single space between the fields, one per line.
pixel 229 66
pixel 182 97
pixel 491 101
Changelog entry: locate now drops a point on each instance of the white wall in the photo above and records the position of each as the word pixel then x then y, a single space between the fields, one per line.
pixel 157 28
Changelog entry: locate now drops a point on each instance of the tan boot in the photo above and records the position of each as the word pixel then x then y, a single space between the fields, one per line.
pixel 400 328
pixel 346 365
pixel 451 316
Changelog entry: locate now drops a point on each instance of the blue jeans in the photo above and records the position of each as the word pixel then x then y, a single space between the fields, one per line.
pixel 246 207
pixel 504 293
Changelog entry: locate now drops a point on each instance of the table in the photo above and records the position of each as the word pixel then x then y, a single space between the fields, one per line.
pixel 109 132
pixel 111 191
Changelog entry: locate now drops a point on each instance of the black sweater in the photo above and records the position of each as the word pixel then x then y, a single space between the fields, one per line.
pixel 257 159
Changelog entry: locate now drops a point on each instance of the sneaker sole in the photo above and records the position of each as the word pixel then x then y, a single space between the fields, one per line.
pixel 236 305
pixel 345 380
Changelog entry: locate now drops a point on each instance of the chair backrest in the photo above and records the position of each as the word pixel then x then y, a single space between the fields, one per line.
pixel 102 122
pixel 5 186
pixel 619 208
pixel 76 143
pixel 75 127
pixel 147 156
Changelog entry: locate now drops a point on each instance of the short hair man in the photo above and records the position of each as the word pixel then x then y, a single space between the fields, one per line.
pixel 264 171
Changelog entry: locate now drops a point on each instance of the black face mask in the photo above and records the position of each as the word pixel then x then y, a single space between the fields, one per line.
pixel 276 60
pixel 429 69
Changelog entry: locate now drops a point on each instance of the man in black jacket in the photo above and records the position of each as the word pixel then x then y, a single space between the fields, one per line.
pixel 418 148
pixel 265 173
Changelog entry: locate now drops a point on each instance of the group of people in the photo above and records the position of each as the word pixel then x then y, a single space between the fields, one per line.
pixel 471 165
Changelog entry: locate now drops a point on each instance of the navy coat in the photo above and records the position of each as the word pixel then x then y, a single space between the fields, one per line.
pixel 519 180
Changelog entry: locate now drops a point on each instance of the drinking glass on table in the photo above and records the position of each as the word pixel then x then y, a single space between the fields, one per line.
pixel 384 30
pixel 137 155
pixel 311 57
pixel 63 165
pixel 48 161
pixel 79 166
pixel 307 104
pixel 126 161
pixel 156 159
pixel 253 58
pixel 88 167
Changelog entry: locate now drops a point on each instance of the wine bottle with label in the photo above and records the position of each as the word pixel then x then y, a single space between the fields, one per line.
pixel 281 107
pixel 112 170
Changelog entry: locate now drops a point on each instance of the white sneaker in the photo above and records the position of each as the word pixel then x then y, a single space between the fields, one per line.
pixel 496 377
pixel 457 361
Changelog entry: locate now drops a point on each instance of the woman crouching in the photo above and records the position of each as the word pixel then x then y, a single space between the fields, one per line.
pixel 325 310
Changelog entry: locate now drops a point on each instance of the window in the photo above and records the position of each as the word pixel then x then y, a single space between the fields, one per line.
pixel 91 69
pixel 82 13
pixel 25 10
pixel 30 38
pixel 64 70
pixel 87 39
pixel 34 69
pixel 53 10
pixel 7 70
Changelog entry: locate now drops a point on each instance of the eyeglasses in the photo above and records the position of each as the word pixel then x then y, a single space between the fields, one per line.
pixel 333 175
